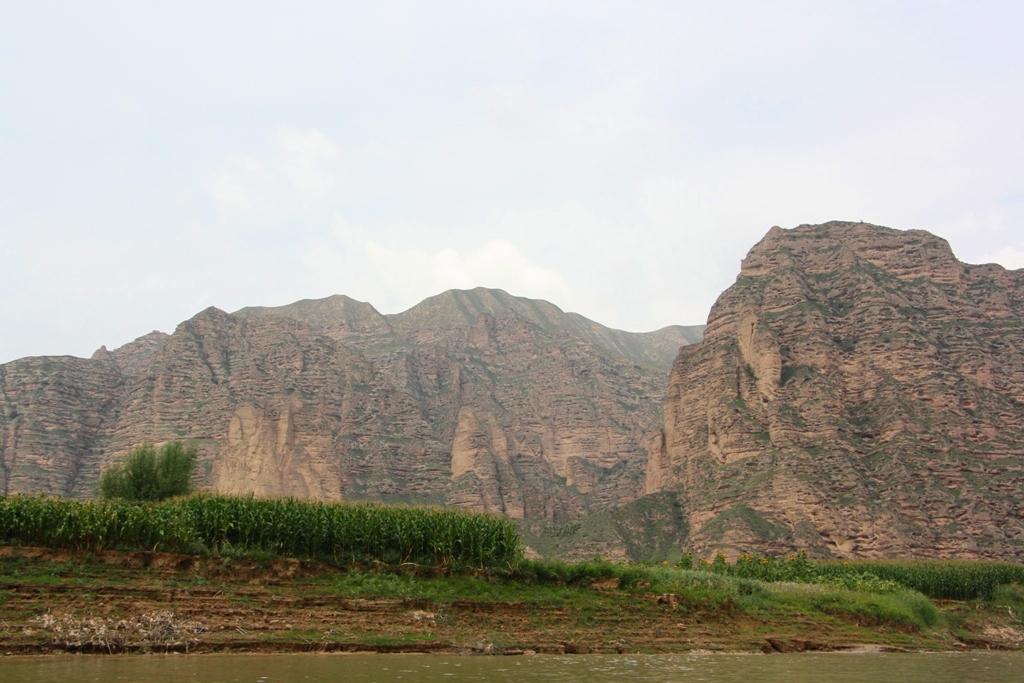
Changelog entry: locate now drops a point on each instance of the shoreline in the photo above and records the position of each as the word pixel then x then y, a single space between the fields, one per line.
pixel 449 650
pixel 374 651
pixel 55 602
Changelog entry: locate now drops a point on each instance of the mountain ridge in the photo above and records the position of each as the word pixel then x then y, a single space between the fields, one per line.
pixel 460 306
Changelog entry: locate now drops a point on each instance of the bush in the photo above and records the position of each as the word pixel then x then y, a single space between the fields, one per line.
pixel 579 574
pixel 149 475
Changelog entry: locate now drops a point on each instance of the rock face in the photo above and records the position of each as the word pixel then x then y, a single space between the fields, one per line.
pixel 132 358
pixel 472 398
pixel 57 413
pixel 859 393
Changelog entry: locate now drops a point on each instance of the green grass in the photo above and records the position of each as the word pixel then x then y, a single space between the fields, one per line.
pixel 706 594
pixel 704 590
pixel 701 592
pixel 717 527
pixel 373 584
pixel 557 573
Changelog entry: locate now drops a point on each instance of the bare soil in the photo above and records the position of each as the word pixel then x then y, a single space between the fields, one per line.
pixel 61 601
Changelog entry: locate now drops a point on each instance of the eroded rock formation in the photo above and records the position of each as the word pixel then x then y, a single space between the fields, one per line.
pixel 859 392
pixel 473 398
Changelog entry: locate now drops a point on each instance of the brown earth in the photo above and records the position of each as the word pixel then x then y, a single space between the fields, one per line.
pixel 56 601
pixel 860 393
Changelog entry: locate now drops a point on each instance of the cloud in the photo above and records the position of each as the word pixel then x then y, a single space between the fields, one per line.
pixel 306 159
pixel 239 185
pixel 300 172
pixel 408 276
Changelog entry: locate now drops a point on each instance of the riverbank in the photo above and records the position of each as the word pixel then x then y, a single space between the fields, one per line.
pixel 111 601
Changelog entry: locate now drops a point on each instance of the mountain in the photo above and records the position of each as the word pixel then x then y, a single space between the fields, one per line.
pixel 471 398
pixel 344 318
pixel 860 393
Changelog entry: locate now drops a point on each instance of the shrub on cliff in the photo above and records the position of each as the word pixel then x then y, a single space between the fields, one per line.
pixel 148 474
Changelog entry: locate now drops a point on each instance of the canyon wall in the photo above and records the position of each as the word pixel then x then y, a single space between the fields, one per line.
pixel 860 393
pixel 472 398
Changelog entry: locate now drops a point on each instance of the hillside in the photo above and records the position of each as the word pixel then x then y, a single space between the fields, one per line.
pixel 859 392
pixel 477 398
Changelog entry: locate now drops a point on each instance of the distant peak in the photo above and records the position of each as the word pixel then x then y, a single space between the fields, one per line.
pixel 212 310
pixel 101 353
pixel 465 306
pixel 338 315
pixel 334 301
pixel 907 254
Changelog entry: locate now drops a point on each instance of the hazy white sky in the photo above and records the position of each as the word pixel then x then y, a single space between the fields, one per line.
pixel 617 159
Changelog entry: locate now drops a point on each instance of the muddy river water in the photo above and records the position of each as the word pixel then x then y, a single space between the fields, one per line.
pixel 360 668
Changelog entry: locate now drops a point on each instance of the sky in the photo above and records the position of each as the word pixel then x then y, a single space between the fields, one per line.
pixel 615 158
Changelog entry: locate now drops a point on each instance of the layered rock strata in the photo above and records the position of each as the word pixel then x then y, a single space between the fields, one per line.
pixel 859 392
pixel 476 398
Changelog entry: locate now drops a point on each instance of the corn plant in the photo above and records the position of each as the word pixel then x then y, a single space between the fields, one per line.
pixel 334 532
pixel 939 579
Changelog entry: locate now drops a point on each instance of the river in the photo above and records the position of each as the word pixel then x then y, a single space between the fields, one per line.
pixel 368 668
pixel 807 668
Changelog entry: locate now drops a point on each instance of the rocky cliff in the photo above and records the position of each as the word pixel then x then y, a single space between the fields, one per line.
pixel 859 392
pixel 472 398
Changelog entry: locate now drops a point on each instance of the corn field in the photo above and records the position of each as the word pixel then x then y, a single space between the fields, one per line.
pixel 339 533
pixel 943 579
pixel 939 579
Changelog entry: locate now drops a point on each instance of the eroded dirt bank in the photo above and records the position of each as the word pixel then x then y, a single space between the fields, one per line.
pixel 58 601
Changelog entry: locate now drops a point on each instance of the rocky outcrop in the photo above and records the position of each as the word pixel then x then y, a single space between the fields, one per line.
pixel 133 358
pixel 56 415
pixel 477 399
pixel 339 317
pixel 859 392
pixel 540 413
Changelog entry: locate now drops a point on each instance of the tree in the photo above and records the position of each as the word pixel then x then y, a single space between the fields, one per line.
pixel 148 474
